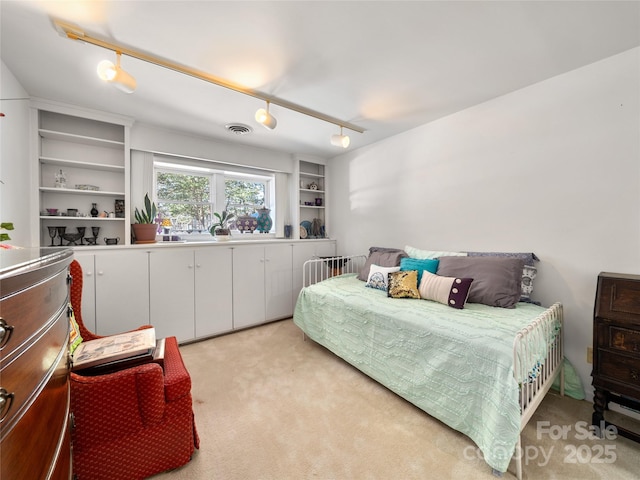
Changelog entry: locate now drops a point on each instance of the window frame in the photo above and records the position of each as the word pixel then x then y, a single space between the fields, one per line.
pixel 217 187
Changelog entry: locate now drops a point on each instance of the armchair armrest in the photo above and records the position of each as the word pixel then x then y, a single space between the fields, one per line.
pixel 118 403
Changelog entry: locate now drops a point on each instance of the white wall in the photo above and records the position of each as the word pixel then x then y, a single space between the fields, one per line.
pixel 159 140
pixel 553 168
pixel 14 158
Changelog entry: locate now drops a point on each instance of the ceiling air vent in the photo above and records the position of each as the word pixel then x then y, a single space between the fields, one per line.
pixel 238 128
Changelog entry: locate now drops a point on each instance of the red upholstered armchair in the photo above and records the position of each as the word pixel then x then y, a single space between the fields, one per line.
pixel 133 423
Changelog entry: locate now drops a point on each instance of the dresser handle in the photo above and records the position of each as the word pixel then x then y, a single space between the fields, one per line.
pixel 6 400
pixel 634 375
pixel 5 332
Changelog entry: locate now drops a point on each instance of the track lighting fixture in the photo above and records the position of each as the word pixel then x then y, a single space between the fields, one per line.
pixel 125 82
pixel 116 76
pixel 265 118
pixel 340 140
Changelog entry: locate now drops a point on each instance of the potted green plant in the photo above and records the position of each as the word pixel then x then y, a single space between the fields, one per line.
pixel 220 229
pixel 145 228
pixel 5 236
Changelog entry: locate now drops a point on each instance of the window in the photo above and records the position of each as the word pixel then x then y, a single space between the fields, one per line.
pixel 244 196
pixel 185 199
pixel 188 195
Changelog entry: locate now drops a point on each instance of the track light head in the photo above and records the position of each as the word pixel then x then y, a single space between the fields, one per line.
pixel 116 76
pixel 340 140
pixel 265 118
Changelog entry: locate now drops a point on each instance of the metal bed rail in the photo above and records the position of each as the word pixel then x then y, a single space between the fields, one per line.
pixel 321 268
pixel 535 379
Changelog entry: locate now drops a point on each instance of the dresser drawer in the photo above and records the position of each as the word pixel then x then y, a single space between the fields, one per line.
pixel 620 368
pixel 29 310
pixel 619 297
pixel 624 339
pixel 24 374
pixel 42 434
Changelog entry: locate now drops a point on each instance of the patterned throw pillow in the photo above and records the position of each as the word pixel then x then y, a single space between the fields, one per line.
pixel 403 284
pixel 75 338
pixel 447 290
pixel 379 277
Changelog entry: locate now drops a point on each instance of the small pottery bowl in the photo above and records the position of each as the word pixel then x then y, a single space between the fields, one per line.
pixel 52 211
pixel 246 224
pixel 112 241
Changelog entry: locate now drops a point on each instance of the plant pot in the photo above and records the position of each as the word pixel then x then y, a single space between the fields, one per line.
pixel 222 235
pixel 145 232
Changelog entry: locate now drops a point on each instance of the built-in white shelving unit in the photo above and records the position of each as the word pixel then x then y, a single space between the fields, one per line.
pixel 311 198
pixel 91 150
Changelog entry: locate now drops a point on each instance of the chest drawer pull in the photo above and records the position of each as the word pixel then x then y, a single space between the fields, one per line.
pixel 5 332
pixel 6 400
pixel 634 374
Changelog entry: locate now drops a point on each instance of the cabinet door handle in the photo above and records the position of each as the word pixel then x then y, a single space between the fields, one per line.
pixel 6 400
pixel 189 266
pixel 5 332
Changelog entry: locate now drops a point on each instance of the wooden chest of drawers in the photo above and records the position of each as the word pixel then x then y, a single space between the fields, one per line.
pixel 616 346
pixel 34 371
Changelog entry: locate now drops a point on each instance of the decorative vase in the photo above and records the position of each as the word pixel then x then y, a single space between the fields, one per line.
pixel 246 223
pixel 264 220
pixel 145 232
pixel 94 210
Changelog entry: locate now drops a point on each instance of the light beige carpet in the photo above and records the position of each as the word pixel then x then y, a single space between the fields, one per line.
pixel 269 405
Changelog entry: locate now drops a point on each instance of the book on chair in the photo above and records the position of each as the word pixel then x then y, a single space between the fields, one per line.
pixel 115 352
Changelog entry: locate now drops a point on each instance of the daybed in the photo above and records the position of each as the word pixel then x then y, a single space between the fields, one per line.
pixel 480 369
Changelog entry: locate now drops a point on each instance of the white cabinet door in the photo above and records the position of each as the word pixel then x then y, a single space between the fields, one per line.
pixel 262 284
pixel 171 287
pixel 248 286
pixel 122 291
pixel 88 312
pixel 278 281
pixel 213 291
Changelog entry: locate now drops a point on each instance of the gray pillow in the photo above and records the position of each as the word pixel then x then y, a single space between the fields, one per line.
pixel 384 257
pixel 529 270
pixel 497 281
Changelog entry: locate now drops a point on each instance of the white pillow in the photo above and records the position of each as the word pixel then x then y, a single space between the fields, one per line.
pixel 424 254
pixel 379 277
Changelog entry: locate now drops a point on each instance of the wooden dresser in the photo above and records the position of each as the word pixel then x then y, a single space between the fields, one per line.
pixel 616 347
pixel 34 370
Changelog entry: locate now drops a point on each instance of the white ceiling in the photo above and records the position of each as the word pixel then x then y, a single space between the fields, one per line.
pixel 385 66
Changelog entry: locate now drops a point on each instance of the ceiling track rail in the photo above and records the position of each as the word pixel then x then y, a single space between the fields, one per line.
pixel 74 33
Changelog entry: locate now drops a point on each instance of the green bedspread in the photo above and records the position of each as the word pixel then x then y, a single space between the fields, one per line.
pixel 456 365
